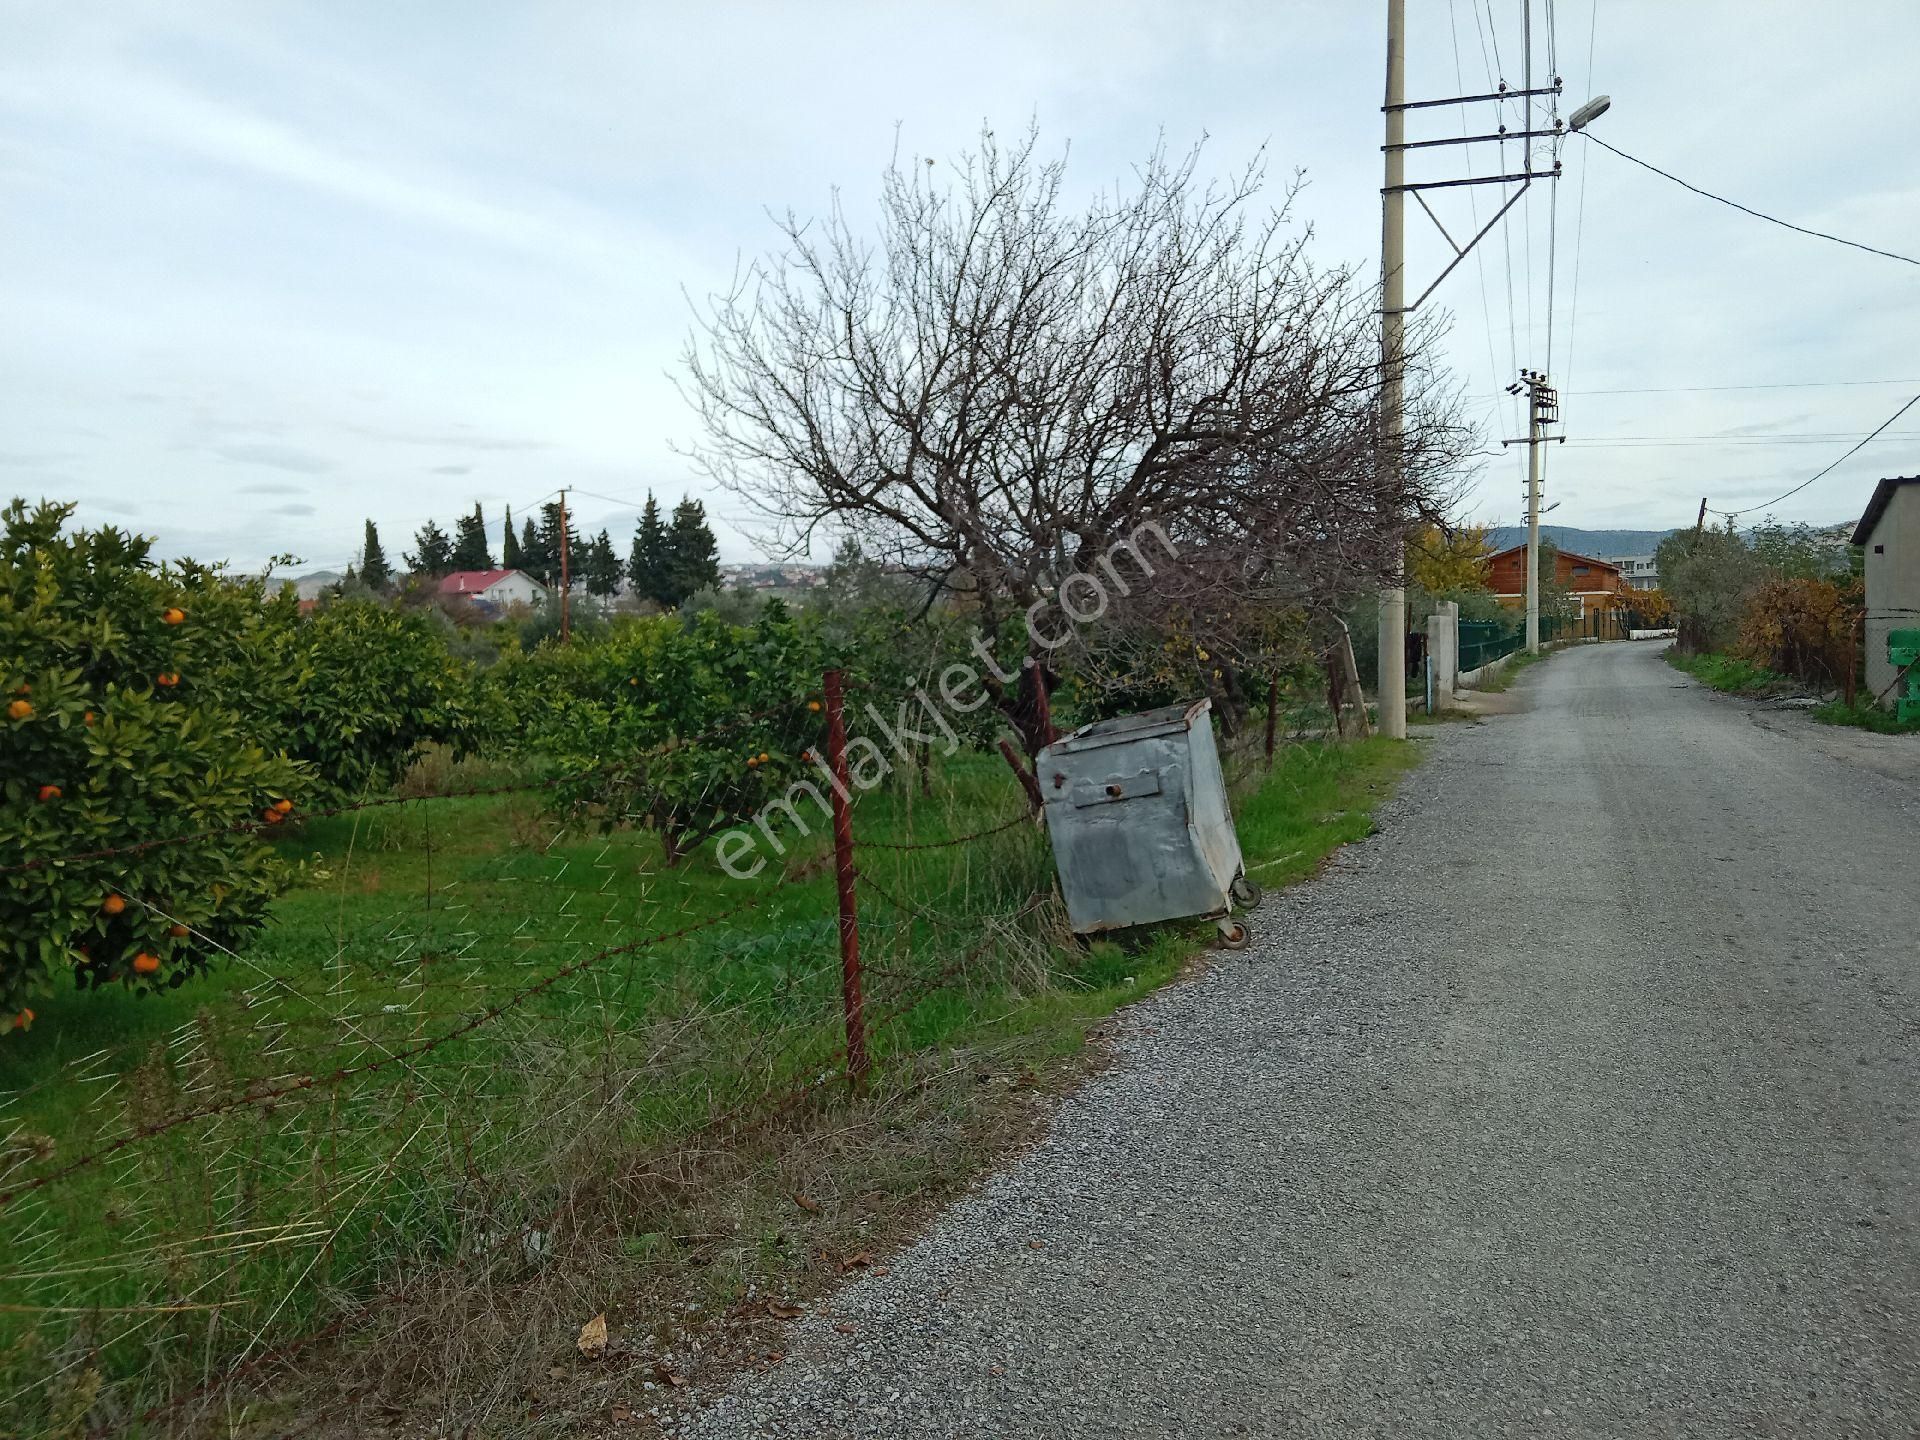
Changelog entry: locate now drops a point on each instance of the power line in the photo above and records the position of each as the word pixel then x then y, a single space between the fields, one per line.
pixel 1747 209
pixel 1580 219
pixel 1732 514
pixel 1773 385
pixel 1473 205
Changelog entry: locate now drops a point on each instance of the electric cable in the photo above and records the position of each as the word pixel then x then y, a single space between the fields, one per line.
pixel 1748 209
pixel 1732 514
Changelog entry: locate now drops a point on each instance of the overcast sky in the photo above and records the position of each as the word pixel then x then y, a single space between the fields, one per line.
pixel 268 269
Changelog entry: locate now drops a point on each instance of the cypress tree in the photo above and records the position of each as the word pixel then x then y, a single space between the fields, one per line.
pixel 470 543
pixel 646 567
pixel 375 573
pixel 510 556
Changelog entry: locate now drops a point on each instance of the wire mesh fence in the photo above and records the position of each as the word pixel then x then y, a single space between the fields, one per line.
pixel 484 1051
pixel 472 1033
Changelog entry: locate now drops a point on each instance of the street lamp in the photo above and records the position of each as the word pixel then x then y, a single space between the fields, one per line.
pixel 1589 112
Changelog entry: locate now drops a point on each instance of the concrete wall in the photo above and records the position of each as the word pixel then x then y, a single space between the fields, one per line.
pixel 1443 652
pixel 1893 582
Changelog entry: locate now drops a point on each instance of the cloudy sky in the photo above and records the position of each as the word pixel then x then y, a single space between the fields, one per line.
pixel 267 269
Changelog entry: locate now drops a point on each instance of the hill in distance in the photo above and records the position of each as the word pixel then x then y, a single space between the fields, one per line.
pixel 1600 544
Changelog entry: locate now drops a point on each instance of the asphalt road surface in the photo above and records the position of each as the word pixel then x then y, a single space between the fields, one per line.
pixel 1583 1100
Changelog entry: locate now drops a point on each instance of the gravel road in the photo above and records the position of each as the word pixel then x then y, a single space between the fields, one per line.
pixel 1580 1101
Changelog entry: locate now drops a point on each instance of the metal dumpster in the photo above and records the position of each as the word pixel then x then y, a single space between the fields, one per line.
pixel 1137 812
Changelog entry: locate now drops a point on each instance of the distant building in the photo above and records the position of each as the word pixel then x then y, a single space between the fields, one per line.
pixel 1594 584
pixel 496 589
pixel 1641 572
pixel 1889 532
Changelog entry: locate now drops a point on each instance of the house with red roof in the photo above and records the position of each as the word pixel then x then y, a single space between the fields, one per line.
pixel 495 589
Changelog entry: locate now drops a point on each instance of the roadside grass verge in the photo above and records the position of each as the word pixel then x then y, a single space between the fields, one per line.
pixel 1510 669
pixel 659 1134
pixel 1864 715
pixel 1740 677
pixel 1731 674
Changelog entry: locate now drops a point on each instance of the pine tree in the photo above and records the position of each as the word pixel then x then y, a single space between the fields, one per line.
pixel 510 556
pixel 601 568
pixel 693 557
pixel 432 555
pixel 470 543
pixel 532 559
pixel 647 565
pixel 375 573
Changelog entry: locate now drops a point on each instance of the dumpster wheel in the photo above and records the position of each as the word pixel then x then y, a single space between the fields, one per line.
pixel 1234 935
pixel 1246 893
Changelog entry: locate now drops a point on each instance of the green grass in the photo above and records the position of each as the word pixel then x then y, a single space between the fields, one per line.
pixel 271 1219
pixel 1729 673
pixel 1864 715
pixel 1509 670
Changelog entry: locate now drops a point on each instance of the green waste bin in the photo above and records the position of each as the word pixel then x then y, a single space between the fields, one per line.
pixel 1903 652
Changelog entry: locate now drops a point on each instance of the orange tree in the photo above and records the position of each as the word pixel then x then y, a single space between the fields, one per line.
pixel 687 727
pixel 367 688
pixel 115 734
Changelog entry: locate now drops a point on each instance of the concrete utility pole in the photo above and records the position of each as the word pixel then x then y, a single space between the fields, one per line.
pixel 1534 464
pixel 1543 409
pixel 1393 329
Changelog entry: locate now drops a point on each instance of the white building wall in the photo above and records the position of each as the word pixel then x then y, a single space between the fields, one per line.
pixel 515 589
pixel 1893 582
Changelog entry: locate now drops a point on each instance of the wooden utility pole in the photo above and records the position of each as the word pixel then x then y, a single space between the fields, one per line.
pixel 566 576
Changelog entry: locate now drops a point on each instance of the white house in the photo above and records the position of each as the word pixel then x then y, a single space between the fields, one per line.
pixel 496 589
pixel 1889 532
pixel 1640 572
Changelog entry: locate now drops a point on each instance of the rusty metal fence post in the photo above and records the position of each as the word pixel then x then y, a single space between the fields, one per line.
pixel 852 1001
pixel 1273 713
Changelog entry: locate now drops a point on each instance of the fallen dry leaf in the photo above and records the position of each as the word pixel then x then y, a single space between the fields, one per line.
pixel 883 1269
pixel 1036 1244
pixel 859 1260
pixel 593 1337
pixel 622 1415
pixel 811 1207
pixel 667 1375
pixel 781 1310
pixel 845 1329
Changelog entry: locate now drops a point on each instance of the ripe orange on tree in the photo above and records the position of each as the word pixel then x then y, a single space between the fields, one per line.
pixel 173 615
pixel 814 705
pixel 23 1020
pixel 87 719
pixel 145 964
pixel 177 930
pixel 49 792
pixel 272 816
pixel 167 679
pixel 283 805
pixel 113 905
pixel 19 709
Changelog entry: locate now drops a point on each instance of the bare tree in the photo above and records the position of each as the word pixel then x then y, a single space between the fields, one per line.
pixel 998 389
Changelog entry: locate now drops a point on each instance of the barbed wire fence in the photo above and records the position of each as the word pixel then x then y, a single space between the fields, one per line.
pixel 477 1036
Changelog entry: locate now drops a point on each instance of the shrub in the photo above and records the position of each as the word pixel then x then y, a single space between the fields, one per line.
pixel 119 730
pixel 1804 627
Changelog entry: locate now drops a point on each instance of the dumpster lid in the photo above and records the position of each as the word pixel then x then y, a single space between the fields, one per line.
pixel 1167 720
